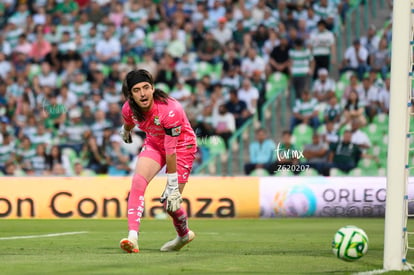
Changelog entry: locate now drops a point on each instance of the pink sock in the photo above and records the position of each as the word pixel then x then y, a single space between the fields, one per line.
pixel 180 221
pixel 136 202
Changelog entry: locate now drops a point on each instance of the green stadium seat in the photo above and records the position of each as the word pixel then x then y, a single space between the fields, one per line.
pixel 217 70
pixel 321 110
pixel 369 173
pixel 381 120
pixel 374 133
pixel 259 172
pixel 88 173
pixel 217 146
pixel 163 86
pixel 335 172
pixel 204 68
pixel 345 77
pixel 19 173
pixel 302 135
pixel 71 154
pixel 34 71
pixel 125 58
pixel 277 82
pixel 309 173
pixel 106 70
pixel 354 3
pixel 340 89
pixel 367 164
pixel 284 173
pixel 148 41
pixel 382 172
pixel 411 124
pixel 356 172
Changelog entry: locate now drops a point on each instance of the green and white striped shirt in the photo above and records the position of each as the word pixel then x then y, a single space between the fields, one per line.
pixel 305 108
pixel 321 42
pixel 301 59
pixel 325 12
pixel 5 152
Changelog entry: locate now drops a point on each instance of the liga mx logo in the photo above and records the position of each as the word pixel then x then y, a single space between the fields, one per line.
pixel 297 201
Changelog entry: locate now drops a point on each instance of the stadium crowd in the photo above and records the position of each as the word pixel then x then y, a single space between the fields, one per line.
pixel 62 64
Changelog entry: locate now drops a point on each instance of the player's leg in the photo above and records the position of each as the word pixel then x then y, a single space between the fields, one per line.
pixel 148 165
pixel 179 217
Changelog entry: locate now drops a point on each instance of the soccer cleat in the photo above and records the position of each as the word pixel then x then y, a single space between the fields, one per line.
pixel 178 242
pixel 129 246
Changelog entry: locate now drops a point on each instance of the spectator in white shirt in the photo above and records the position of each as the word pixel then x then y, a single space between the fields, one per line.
pixel 80 86
pixel 47 77
pixel 329 133
pixel 97 103
pixel 133 39
pixel 5 66
pixel 100 124
pixel 224 123
pixel 186 70
pixel 181 93
pixel 305 112
pixel 371 40
pixel 252 63
pixel 384 97
pixel 222 33
pixel 5 47
pixel 369 97
pixel 73 131
pixel 108 50
pixel 324 86
pixel 355 59
pixel 249 94
pixel 359 137
pixel 66 43
pixel 67 98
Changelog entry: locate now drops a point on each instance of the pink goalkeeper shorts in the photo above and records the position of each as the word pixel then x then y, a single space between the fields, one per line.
pixel 185 160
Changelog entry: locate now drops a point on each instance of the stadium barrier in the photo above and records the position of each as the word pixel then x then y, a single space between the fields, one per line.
pixel 323 196
pixel 204 197
pixel 106 197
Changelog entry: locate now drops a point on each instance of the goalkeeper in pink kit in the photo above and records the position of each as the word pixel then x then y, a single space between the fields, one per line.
pixel 169 141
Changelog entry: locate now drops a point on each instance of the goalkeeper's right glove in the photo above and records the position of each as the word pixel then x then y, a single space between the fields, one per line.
pixel 125 134
pixel 172 194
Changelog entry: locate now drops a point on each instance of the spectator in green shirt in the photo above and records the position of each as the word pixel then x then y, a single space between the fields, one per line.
pixel 344 155
pixel 67 7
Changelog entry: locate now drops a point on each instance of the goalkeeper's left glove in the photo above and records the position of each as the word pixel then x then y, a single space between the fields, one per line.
pixel 171 193
pixel 125 134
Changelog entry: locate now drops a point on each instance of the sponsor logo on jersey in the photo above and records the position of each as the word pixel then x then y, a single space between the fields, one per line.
pixel 176 131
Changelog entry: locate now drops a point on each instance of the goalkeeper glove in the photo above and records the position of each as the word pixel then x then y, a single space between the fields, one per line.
pixel 171 193
pixel 126 135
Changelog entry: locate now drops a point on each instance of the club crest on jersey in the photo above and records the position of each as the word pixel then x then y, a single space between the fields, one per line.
pixel 157 121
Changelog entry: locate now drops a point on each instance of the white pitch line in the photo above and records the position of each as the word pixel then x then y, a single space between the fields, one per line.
pixel 373 272
pixel 42 236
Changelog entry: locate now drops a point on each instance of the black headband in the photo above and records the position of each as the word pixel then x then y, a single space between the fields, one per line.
pixel 137 76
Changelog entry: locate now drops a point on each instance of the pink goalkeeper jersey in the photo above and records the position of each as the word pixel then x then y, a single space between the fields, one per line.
pixel 166 126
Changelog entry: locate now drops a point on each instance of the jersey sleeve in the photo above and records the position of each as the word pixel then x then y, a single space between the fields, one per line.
pixel 172 124
pixel 127 114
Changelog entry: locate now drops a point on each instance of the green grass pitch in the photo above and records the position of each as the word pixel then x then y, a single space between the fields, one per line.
pixel 227 246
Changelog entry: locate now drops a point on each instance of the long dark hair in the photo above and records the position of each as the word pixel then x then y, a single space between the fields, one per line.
pixel 134 77
pixel 350 104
